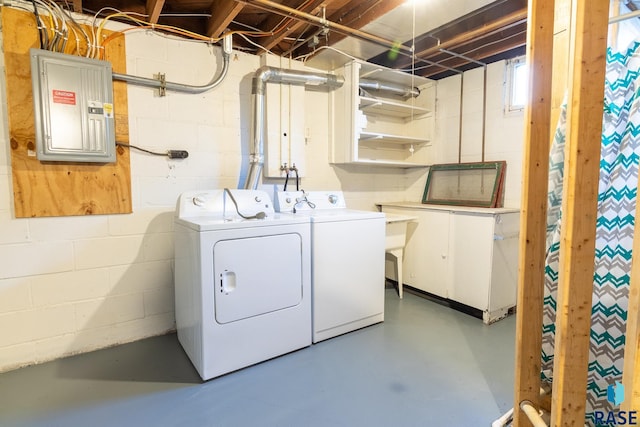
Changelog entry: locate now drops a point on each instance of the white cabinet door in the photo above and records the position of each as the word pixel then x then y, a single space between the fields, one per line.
pixel 471 249
pixel 467 257
pixel 426 255
pixel 504 272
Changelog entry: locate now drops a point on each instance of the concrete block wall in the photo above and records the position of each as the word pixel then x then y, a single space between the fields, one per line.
pixel 76 284
pixel 504 132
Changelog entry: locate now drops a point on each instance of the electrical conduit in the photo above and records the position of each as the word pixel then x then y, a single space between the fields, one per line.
pixel 180 87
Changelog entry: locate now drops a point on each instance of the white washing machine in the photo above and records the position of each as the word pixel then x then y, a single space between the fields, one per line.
pixel 347 258
pixel 242 280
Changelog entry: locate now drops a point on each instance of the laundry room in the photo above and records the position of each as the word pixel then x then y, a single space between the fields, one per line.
pixel 304 212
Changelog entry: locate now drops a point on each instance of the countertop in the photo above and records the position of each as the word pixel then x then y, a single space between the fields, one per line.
pixel 467 209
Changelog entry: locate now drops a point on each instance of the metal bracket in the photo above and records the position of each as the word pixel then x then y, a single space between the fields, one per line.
pixel 162 89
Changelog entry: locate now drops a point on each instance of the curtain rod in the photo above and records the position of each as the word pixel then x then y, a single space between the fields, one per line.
pixel 624 17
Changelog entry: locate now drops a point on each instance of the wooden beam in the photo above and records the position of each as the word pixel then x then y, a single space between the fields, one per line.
pixel 587 57
pixel 222 13
pixel 510 43
pixel 358 15
pixel 274 7
pixel 515 18
pixel 77 6
pixel 534 208
pixel 631 369
pixel 314 8
pixel 154 7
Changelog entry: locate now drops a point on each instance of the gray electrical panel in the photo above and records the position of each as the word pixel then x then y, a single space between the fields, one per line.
pixel 73 101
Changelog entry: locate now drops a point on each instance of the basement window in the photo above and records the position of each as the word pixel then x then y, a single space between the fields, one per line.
pixel 517 82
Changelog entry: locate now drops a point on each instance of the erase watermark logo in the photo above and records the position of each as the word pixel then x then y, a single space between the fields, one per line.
pixel 615 395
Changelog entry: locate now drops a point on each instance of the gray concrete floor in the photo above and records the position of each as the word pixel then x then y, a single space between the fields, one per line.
pixel 426 365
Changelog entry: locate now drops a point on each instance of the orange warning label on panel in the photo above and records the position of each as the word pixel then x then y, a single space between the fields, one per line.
pixel 64 97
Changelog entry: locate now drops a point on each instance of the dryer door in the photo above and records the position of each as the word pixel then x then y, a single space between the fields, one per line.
pixel 256 275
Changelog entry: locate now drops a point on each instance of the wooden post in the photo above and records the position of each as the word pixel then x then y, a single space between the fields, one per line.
pixel 534 208
pixel 631 369
pixel 588 44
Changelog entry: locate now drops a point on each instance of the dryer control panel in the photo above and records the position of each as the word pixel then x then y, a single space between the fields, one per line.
pixel 288 201
pixel 251 204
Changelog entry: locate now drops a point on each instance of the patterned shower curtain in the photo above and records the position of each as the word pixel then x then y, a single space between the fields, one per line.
pixel 614 230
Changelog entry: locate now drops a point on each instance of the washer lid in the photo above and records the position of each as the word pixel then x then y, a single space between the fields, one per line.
pixel 209 223
pixel 329 215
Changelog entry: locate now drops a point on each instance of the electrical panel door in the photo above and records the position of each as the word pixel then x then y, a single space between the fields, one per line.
pixel 73 103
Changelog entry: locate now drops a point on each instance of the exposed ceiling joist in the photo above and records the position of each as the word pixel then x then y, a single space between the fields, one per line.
pixel 357 17
pixel 296 28
pixel 154 7
pixel 313 8
pixel 77 6
pixel 222 13
pixel 280 9
pixel 515 18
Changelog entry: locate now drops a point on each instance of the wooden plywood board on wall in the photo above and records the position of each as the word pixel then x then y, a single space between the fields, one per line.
pixel 43 189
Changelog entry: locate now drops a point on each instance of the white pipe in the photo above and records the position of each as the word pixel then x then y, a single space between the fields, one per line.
pixel 508 416
pixel 180 87
pixel 532 413
pixel 503 420
pixel 624 17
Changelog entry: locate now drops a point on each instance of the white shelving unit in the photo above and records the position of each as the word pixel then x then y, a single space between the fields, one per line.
pixel 380 128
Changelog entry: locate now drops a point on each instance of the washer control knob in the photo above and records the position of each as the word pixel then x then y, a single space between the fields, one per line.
pixel 288 200
pixel 198 201
pixel 258 199
pixel 333 199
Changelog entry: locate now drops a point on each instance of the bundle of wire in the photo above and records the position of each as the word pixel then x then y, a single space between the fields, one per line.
pixel 56 23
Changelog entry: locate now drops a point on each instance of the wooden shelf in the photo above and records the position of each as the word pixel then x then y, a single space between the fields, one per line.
pixel 389 108
pixel 394 139
pixel 389 163
pixel 382 129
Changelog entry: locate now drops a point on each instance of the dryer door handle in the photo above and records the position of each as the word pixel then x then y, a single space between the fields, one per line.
pixel 227 282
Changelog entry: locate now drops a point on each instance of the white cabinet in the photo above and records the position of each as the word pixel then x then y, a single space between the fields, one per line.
pixel 465 255
pixel 379 127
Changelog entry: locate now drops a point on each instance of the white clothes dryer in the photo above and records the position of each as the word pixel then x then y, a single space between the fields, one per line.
pixel 347 258
pixel 242 280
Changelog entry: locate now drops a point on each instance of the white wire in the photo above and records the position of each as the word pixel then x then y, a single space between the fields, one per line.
pixel 80 28
pixel 170 36
pixel 305 56
pixel 60 15
pixel 55 30
pixel 254 43
pixel 94 46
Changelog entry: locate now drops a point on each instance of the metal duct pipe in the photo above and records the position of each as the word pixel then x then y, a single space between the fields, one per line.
pixel 261 77
pixel 179 87
pixel 403 91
